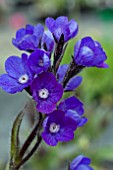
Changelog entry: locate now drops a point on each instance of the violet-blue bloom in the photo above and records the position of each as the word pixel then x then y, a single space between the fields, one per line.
pixel 73 108
pixel 81 163
pixel 46 91
pixel 28 38
pixel 73 83
pixel 89 53
pixel 47 41
pixel 72 103
pixel 19 75
pixel 81 121
pixel 58 128
pixel 62 26
pixel 39 61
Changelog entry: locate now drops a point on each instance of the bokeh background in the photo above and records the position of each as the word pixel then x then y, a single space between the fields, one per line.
pixel 95 139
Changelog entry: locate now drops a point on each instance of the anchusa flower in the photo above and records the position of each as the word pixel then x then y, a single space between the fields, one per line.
pixel 89 53
pixel 62 26
pixel 28 38
pixel 58 128
pixel 81 163
pixel 74 109
pixel 18 76
pixel 46 91
pixel 39 61
pixel 41 74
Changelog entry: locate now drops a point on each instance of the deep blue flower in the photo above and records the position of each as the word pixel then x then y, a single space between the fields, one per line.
pixel 28 38
pixel 62 26
pixel 81 163
pixel 19 75
pixel 89 53
pixel 46 91
pixel 47 41
pixel 39 61
pixel 73 83
pixel 74 109
pixel 58 128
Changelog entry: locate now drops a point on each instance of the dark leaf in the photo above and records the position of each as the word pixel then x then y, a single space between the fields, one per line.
pixel 15 137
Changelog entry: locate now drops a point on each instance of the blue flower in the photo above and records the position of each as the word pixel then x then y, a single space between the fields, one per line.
pixel 74 109
pixel 58 128
pixel 89 53
pixel 81 163
pixel 28 38
pixel 62 26
pixel 46 91
pixel 47 42
pixel 39 61
pixel 18 76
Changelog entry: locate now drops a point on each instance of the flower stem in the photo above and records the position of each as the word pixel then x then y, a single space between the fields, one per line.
pixel 30 138
pixel 25 159
pixel 73 70
pixel 21 157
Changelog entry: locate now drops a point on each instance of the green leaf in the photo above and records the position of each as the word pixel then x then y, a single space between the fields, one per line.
pixel 15 137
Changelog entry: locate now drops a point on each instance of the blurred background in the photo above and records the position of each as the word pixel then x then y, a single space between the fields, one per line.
pixel 95 18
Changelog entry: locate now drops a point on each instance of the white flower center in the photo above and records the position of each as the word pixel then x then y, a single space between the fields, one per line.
pixel 43 93
pixel 23 79
pixel 54 128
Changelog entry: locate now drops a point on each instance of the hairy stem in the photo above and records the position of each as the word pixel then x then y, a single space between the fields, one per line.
pixel 30 138
pixel 26 158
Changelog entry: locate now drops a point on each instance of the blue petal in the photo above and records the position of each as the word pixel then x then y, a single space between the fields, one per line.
pixel 83 167
pixel 75 116
pixel 29 42
pixel 81 163
pixel 20 34
pixel 65 135
pixel 61 72
pixel 70 30
pixel 29 29
pixel 49 139
pixel 50 23
pixel 72 103
pixel 48 40
pixel 76 161
pixel 10 84
pixel 61 21
pixel 83 121
pixel 35 60
pixel 85 160
pixel 14 67
pixel 73 83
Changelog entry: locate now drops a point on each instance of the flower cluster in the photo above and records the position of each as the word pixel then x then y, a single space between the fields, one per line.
pixel 40 73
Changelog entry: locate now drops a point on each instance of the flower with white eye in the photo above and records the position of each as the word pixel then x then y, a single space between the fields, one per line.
pixel 58 128
pixel 23 79
pixel 43 93
pixel 54 128
pixel 46 91
pixel 18 76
